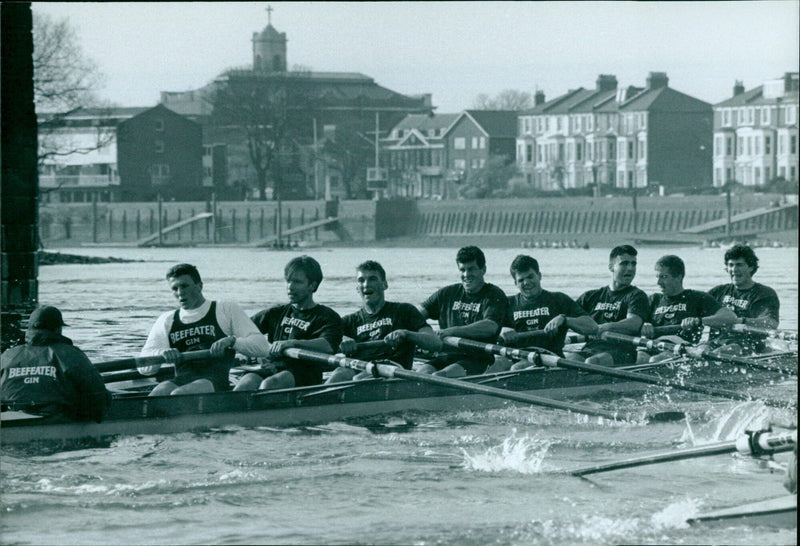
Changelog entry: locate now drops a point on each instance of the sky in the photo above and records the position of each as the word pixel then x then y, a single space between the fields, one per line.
pixel 453 50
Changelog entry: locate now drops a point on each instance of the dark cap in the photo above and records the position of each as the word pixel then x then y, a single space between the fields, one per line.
pixel 46 318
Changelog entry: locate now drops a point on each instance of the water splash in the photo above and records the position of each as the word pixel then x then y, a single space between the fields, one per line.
pixel 518 454
pixel 676 514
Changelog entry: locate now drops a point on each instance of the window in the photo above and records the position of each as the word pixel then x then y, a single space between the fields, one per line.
pixel 459 164
pixel 726 117
pixel 474 163
pixel 718 146
pixel 578 151
pixel 791 115
pixel 159 124
pixel 529 154
pixel 765 115
pixel 159 146
pixel 482 143
pixel 793 146
pixel 750 115
pixel 729 146
pixel 474 143
pixel 740 116
pixel 757 176
pixel 459 143
pixel 578 123
pixel 558 123
pixel 630 150
pixel 482 162
pixel 767 145
pixel 641 150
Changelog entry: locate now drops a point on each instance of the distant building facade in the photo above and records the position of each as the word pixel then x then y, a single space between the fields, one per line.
pixel 627 137
pixel 475 137
pixel 755 133
pixel 160 153
pixel 78 154
pixel 415 155
pixel 346 103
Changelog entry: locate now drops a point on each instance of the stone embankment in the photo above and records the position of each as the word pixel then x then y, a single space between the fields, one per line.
pixel 552 221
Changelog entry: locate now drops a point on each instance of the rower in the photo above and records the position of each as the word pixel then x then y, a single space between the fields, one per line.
pixel 473 309
pixel 753 303
pixel 619 307
pixel 301 324
pixel 198 324
pixel 678 306
pixel 49 376
pixel 538 318
pixel 399 325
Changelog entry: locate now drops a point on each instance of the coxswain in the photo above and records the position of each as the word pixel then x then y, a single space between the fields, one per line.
pixel 49 376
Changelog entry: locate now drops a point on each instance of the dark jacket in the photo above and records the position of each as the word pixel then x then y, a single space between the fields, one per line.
pixel 49 376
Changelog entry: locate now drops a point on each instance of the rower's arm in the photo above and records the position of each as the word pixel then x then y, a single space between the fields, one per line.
pixel 481 329
pixel 630 325
pixel 583 325
pixel 763 321
pixel 722 318
pixel 424 338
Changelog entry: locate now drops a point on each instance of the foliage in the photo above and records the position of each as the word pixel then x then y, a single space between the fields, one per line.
pixel 348 151
pixel 492 180
pixel 261 108
pixel 508 99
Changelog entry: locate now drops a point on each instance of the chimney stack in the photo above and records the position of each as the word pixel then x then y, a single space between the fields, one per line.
pixel 606 82
pixel 538 98
pixel 656 80
pixel 738 88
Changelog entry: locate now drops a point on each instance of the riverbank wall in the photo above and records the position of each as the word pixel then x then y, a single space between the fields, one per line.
pixel 501 222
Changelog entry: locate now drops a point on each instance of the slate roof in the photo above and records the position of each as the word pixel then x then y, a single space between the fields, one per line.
pixel 496 123
pixel 663 99
pixel 424 122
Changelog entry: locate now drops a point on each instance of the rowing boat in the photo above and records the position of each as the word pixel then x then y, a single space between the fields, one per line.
pixel 776 512
pixel 136 413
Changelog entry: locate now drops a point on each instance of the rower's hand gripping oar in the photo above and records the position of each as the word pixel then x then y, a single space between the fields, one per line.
pixel 691 350
pixel 389 371
pixel 755 443
pixel 535 357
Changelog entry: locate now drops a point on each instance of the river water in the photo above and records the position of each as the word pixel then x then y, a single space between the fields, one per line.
pixel 477 478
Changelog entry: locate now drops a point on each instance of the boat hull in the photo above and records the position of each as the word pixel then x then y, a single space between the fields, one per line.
pixel 778 512
pixel 139 414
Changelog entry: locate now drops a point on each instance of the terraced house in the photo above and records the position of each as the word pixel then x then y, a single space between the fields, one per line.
pixel 755 133
pixel 612 137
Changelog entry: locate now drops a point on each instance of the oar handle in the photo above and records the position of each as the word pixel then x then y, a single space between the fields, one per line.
pixel 388 371
pixel 556 361
pixel 145 361
pixel 761 442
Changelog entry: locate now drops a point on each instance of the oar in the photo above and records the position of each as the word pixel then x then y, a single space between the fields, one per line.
pixel 555 361
pixel 755 443
pixel 672 329
pixel 777 334
pixel 388 371
pixel 691 350
pixel 143 361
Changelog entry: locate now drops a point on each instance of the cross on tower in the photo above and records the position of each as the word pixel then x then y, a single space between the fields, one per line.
pixel 269 14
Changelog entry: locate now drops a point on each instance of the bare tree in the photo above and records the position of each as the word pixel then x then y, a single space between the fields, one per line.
pixel 257 107
pixel 63 77
pixel 64 80
pixel 509 99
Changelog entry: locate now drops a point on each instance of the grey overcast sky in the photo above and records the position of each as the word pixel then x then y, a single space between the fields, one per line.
pixel 454 50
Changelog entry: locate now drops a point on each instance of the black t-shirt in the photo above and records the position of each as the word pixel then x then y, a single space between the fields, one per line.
pixel 452 306
pixel 671 310
pixel 755 302
pixel 606 305
pixel 284 322
pixel 363 326
pixel 526 315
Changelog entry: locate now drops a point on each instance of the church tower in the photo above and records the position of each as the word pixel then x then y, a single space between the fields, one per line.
pixel 269 48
